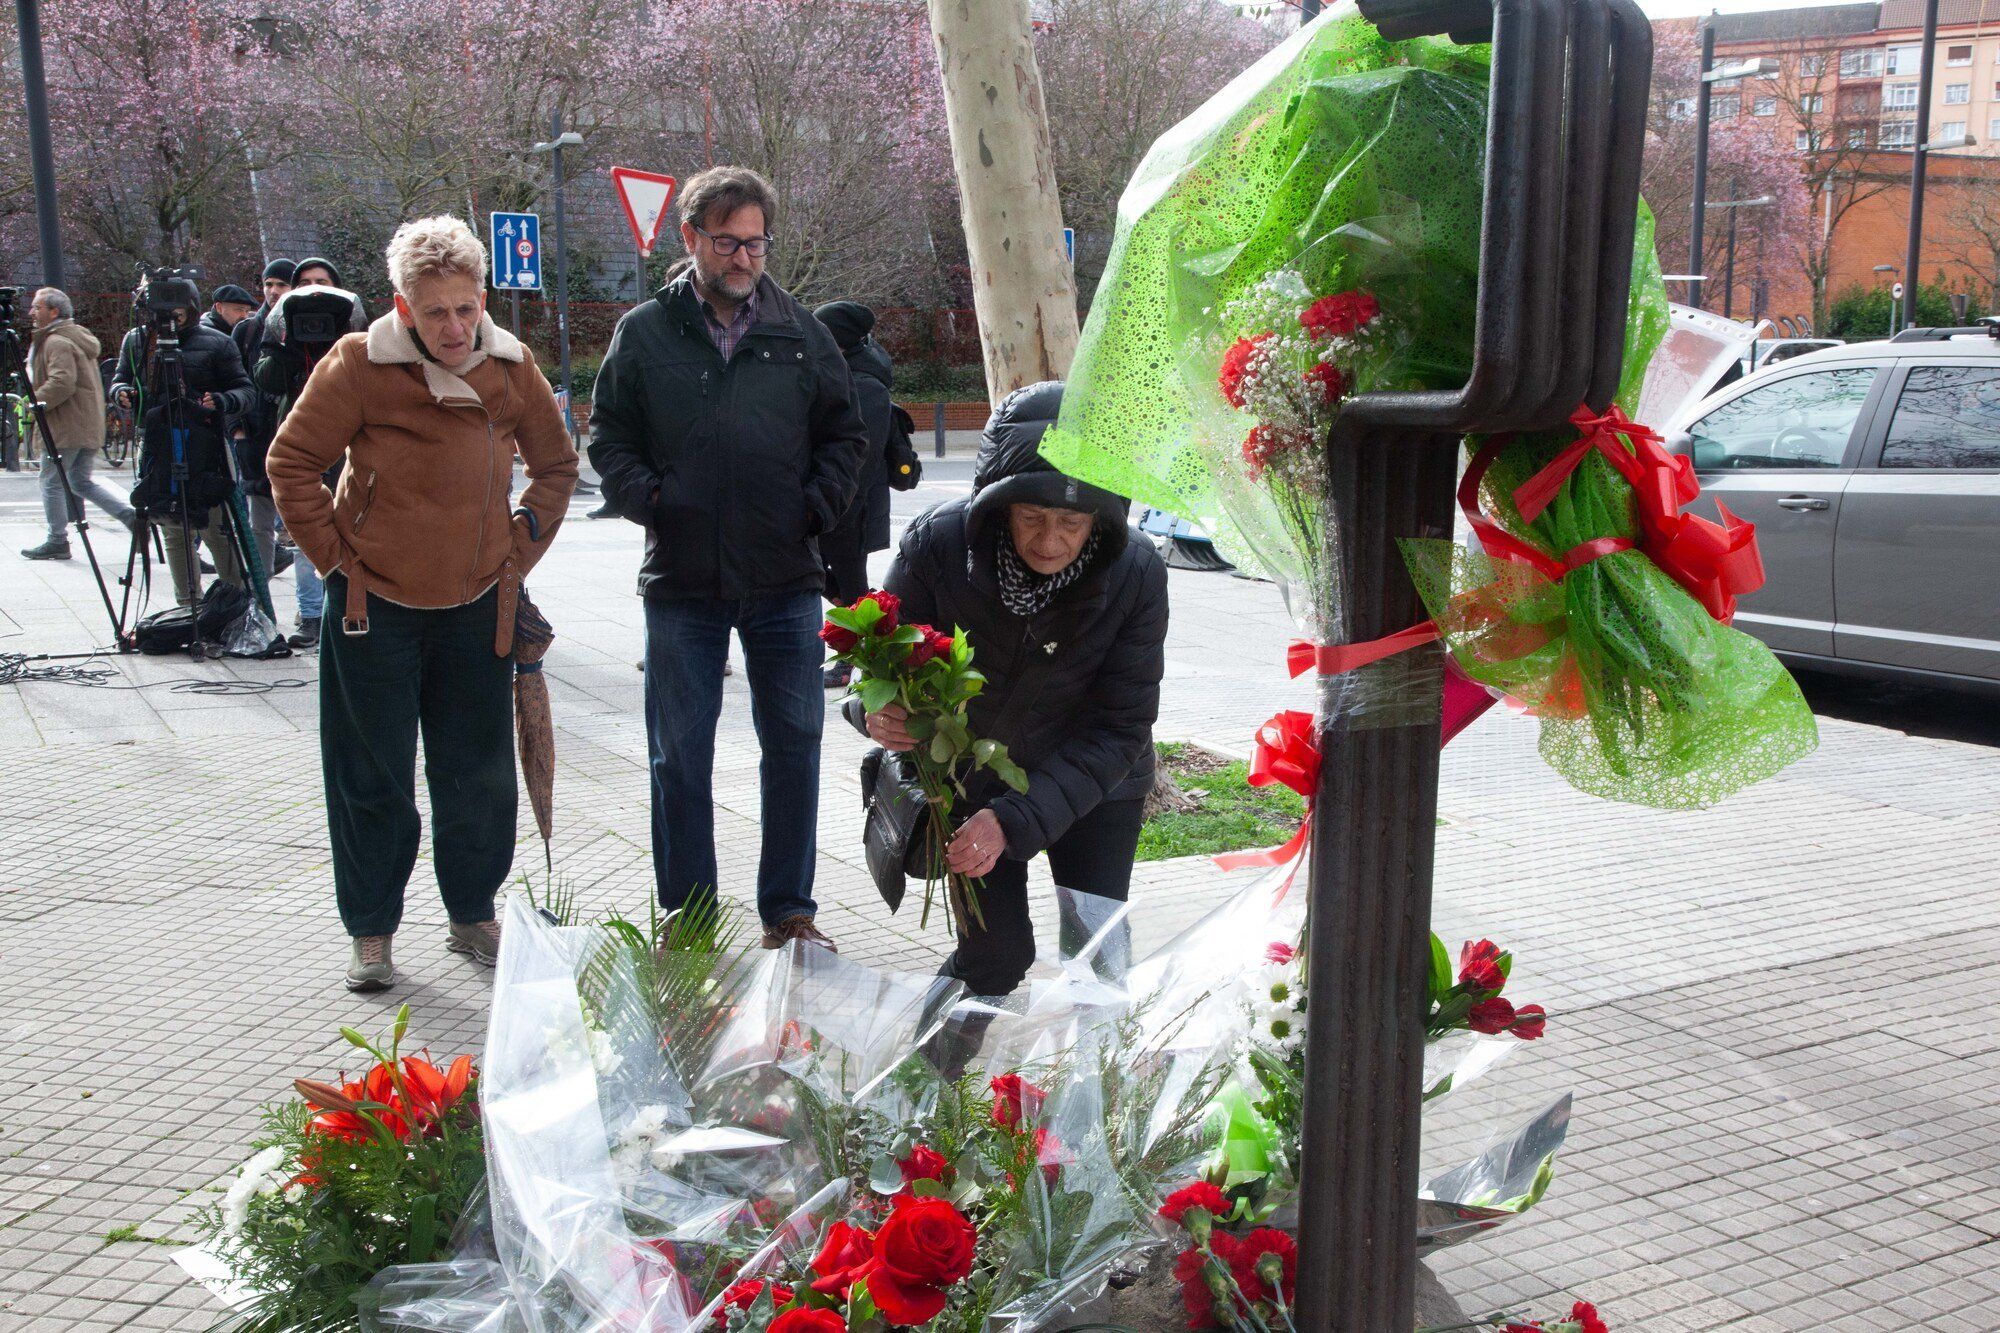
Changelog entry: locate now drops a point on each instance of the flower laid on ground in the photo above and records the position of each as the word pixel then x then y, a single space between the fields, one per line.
pixel 1014 1098
pixel 1582 1318
pixel 353 1176
pixel 1247 1282
pixel 1469 999
pixel 929 674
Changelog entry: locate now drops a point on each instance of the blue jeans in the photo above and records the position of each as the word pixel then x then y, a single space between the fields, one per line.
pixel 311 588
pixel 687 644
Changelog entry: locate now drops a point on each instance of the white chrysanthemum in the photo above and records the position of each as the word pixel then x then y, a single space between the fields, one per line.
pixel 255 1178
pixel 294 1192
pixel 1277 984
pixel 1282 1027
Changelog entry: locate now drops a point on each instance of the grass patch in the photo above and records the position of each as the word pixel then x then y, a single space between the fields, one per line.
pixel 130 1232
pixel 1229 813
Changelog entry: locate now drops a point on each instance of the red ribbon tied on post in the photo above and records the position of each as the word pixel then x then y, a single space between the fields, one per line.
pixel 1715 562
pixel 1287 754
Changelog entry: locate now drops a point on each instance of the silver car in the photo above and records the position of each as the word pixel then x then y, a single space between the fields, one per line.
pixel 1872 472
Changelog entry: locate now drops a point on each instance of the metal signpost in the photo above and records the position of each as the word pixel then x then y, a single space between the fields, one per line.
pixel 558 141
pixel 1565 132
pixel 41 150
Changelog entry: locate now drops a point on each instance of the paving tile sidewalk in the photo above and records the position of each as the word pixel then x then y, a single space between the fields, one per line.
pixel 1776 1015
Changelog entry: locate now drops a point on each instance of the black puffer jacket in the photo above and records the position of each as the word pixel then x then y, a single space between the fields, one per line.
pixel 1073 692
pixel 210 363
pixel 751 459
pixel 865 525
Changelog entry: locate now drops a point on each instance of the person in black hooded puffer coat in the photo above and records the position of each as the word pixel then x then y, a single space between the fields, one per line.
pixel 1067 618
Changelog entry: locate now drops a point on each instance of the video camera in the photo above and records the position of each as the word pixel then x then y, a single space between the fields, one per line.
pixel 309 320
pixel 164 291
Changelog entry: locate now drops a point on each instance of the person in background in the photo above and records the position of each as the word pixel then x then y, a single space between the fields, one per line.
pixel 63 374
pixel 425 554
pixel 845 547
pixel 724 424
pixel 1067 617
pixel 228 307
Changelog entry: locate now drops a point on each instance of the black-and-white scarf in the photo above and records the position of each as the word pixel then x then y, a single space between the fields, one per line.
pixel 1022 590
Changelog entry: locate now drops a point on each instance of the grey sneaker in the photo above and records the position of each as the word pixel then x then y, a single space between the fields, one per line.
pixel 48 550
pixel 479 941
pixel 370 968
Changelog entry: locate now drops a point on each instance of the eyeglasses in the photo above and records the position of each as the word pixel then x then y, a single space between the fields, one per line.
pixel 756 247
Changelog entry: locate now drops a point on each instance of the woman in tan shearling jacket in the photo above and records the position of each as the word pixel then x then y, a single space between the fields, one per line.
pixel 424 550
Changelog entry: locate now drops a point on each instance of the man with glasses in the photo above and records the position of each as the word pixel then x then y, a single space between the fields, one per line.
pixel 724 423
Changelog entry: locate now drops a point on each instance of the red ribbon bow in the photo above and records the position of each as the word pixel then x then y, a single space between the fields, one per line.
pixel 1715 562
pixel 1287 754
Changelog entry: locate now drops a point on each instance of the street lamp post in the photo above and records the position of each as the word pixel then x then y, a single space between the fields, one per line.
pixel 1729 272
pixel 41 147
pixel 1741 69
pixel 558 141
pixel 1895 298
pixel 1925 65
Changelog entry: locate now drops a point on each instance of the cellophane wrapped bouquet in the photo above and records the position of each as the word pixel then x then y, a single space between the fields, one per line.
pixel 1311 234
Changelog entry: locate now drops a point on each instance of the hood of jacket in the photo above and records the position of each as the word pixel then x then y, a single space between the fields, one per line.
pixel 69 331
pixel 1011 470
pixel 393 343
pixel 869 358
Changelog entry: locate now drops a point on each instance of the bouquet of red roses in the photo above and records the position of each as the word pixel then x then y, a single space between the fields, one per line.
pixel 930 674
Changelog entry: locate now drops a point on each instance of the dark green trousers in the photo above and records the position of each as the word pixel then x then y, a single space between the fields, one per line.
pixel 415 671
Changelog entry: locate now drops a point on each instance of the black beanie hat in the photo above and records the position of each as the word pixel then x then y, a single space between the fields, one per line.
pixel 281 269
pixel 317 262
pixel 848 321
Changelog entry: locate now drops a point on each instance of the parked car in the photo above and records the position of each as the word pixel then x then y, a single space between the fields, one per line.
pixel 1872 472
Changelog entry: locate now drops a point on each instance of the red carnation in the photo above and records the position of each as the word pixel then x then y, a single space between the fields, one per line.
pixel 809 1321
pixel 1490 1016
pixel 838 639
pixel 925 1246
pixel 842 1259
pixel 1529 1021
pixel 1201 1194
pixel 892 610
pixel 1584 1313
pixel 1260 447
pixel 1339 315
pixel 1014 1097
pixel 1250 1252
pixel 1236 367
pixel 1190 1270
pixel 1325 382
pixel 742 1295
pixel 1279 952
pixel 1479 966
pixel 924 1163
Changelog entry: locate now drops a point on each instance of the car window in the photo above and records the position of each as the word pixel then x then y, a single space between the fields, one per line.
pixel 1801 421
pixel 1946 417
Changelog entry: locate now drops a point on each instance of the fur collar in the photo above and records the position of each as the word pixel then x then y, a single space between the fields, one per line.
pixel 390 344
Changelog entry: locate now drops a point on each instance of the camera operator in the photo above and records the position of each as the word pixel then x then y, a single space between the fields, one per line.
pixel 299 329
pixel 176 371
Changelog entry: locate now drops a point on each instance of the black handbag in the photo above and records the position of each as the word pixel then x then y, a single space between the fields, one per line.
pixel 893 836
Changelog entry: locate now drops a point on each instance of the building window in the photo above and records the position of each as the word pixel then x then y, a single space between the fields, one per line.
pixel 1682 109
pixel 1725 108
pixel 1957 94
pixel 1812 104
pixel 1764 106
pixel 1811 67
pixel 1904 59
pixel 1808 141
pixel 1861 64
pixel 1899 95
pixel 1898 134
pixel 1951 129
pixel 1958 55
pixel 1857 136
pixel 1993 130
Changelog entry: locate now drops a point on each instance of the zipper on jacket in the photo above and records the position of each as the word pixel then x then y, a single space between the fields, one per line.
pixel 367 503
pixel 479 539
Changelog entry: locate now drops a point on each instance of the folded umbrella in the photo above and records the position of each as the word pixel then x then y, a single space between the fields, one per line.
pixel 533 729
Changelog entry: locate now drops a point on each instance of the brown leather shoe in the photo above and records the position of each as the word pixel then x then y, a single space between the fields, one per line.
pixel 798 927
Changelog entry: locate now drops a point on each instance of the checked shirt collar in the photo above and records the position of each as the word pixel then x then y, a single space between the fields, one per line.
pixel 727 336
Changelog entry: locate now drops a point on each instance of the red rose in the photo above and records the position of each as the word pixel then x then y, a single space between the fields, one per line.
pixel 1279 952
pixel 892 610
pixel 924 1247
pixel 1529 1020
pixel 838 639
pixel 744 1294
pixel 809 1321
pixel 843 1257
pixel 1201 1194
pixel 1583 1312
pixel 1325 382
pixel 1013 1097
pixel 1339 315
pixel 1490 1016
pixel 1236 367
pixel 1250 1252
pixel 1479 966
pixel 924 1163
pixel 1050 1155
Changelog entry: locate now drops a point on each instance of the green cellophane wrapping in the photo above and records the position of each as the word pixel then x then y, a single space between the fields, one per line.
pixel 1644 697
pixel 1341 159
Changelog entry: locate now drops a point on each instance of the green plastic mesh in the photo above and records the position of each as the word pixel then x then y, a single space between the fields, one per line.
pixel 1342 161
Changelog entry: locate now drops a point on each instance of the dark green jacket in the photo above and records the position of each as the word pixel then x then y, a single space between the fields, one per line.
pixel 733 469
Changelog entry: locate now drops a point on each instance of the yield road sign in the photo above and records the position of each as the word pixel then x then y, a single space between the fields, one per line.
pixel 517 251
pixel 645 195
